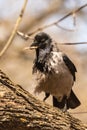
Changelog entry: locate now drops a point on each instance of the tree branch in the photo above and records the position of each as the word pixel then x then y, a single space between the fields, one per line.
pixel 19 110
pixel 73 13
pixel 52 8
pixel 14 30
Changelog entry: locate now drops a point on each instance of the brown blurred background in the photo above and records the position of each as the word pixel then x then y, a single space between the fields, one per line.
pixel 17 63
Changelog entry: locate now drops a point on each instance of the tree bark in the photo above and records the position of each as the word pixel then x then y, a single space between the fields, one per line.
pixel 19 110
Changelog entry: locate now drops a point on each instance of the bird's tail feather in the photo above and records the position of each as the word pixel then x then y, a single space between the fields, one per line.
pixel 72 102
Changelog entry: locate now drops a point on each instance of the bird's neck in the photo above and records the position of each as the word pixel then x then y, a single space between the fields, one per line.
pixel 42 57
pixel 41 54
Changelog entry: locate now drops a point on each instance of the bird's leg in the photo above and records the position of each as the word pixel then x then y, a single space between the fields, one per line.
pixel 65 106
pixel 46 96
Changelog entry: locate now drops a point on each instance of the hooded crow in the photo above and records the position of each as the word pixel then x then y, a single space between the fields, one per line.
pixel 55 72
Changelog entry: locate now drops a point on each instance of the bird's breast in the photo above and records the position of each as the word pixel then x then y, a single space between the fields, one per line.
pixel 59 82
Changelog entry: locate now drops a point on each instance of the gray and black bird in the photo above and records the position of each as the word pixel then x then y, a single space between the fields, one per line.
pixel 55 72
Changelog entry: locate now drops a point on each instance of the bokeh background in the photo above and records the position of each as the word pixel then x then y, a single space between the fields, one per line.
pixel 17 63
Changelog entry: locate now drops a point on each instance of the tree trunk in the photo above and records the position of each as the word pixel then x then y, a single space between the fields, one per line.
pixel 19 110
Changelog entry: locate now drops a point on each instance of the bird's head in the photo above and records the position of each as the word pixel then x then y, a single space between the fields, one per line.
pixel 41 41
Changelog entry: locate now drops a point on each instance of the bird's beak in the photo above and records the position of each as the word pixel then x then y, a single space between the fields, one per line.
pixel 30 48
pixel 34 46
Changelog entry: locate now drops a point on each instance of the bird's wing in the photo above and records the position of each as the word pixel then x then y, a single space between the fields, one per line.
pixel 70 66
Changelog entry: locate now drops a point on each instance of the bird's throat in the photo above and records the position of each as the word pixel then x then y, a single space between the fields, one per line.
pixel 42 57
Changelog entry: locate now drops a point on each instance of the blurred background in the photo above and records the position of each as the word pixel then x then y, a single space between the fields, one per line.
pixel 17 63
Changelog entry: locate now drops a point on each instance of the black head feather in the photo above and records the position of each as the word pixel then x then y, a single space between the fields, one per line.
pixel 43 45
pixel 41 40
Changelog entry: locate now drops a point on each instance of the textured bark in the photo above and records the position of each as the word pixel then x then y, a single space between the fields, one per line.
pixel 19 110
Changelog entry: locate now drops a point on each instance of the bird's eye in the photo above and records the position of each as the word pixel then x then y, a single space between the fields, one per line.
pixel 43 40
pixel 38 39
